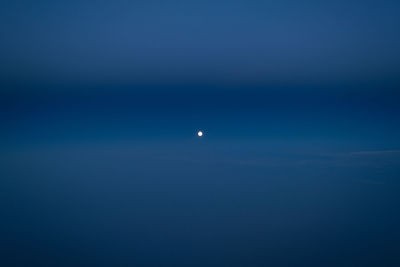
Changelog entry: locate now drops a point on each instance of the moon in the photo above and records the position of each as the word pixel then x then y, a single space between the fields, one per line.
pixel 199 133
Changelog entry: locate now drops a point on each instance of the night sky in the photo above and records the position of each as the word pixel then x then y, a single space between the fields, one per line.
pixel 101 102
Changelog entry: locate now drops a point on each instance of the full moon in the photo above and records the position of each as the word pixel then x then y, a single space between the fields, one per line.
pixel 200 133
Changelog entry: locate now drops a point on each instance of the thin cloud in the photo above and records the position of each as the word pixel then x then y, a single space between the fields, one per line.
pixel 376 152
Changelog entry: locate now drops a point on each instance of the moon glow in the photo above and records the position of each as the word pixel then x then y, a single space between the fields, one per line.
pixel 199 133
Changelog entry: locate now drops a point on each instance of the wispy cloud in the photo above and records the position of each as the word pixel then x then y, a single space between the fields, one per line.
pixel 376 152
pixel 365 158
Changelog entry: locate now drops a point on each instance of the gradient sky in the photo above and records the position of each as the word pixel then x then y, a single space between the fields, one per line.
pixel 200 41
pixel 100 103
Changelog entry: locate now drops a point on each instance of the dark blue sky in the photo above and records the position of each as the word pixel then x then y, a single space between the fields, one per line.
pixel 100 103
pixel 257 42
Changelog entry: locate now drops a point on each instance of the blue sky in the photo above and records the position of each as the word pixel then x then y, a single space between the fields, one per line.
pixel 100 104
pixel 228 42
